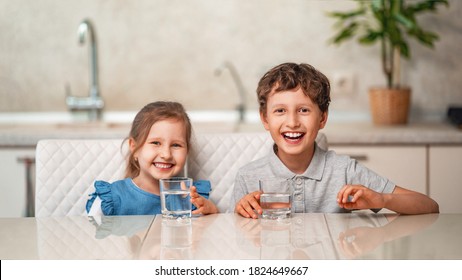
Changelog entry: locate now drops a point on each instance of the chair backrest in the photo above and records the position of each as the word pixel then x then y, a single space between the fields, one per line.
pixel 218 157
pixel 67 169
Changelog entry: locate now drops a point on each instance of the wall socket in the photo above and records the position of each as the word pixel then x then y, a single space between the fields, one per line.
pixel 343 84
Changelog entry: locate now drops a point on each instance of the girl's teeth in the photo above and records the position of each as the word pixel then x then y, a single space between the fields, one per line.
pixel 161 165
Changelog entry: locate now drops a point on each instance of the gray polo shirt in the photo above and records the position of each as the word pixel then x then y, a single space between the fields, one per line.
pixel 315 191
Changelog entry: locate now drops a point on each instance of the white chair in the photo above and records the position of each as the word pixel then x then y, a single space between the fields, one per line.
pixel 66 169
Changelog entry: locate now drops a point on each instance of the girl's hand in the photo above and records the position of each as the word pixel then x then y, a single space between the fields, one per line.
pixel 359 197
pixel 204 206
pixel 246 206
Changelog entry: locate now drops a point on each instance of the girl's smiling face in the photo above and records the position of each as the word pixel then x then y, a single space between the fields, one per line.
pixel 293 120
pixel 163 155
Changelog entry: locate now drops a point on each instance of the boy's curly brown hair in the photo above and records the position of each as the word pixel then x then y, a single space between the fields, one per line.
pixel 289 76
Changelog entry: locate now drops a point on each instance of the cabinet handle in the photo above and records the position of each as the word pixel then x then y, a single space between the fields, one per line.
pixel 30 188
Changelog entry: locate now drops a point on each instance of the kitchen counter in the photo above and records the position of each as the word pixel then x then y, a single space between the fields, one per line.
pixel 27 135
pixel 338 133
pixel 365 133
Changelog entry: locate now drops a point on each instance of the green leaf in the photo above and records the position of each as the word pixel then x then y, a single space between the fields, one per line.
pixel 428 5
pixel 408 24
pixel 376 5
pixel 346 33
pixel 425 37
pixel 343 16
pixel 404 50
pixel 394 34
pixel 370 37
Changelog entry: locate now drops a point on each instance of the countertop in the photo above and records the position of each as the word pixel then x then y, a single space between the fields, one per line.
pixel 338 133
pixel 365 133
pixel 24 130
pixel 27 135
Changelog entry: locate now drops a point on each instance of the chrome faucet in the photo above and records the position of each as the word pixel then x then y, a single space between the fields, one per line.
pixel 241 107
pixel 93 103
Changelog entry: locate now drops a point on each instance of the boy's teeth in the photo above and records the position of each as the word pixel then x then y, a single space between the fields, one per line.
pixel 292 135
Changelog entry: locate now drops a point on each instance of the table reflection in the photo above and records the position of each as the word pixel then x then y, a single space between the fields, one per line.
pixel 300 237
pixel 176 239
pixel 171 239
pixel 361 234
pixel 314 236
pixel 80 237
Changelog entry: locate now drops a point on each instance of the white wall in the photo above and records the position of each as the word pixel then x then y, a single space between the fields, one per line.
pixel 164 49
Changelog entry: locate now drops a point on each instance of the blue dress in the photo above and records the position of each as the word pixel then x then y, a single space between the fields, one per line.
pixel 123 197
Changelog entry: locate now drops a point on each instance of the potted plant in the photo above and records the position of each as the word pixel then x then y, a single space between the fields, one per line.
pixel 390 23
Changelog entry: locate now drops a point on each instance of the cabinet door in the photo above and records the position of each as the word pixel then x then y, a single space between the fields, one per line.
pixel 403 165
pixel 13 183
pixel 446 177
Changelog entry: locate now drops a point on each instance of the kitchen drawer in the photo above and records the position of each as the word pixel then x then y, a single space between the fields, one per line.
pixel 445 177
pixel 406 166
pixel 15 180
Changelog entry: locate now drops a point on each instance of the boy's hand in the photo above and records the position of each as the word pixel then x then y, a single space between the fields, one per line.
pixel 204 206
pixel 359 197
pixel 246 206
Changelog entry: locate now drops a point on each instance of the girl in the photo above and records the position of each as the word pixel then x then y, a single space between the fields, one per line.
pixel 159 141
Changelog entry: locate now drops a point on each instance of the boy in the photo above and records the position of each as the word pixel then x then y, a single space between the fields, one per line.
pixel 294 101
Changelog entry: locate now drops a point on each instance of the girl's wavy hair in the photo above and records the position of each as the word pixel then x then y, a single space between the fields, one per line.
pixel 144 119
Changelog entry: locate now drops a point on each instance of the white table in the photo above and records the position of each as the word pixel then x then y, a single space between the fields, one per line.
pixel 229 236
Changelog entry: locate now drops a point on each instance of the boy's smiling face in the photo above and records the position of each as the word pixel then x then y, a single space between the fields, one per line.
pixel 293 121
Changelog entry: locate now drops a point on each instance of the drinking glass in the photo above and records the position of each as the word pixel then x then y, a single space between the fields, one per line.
pixel 276 198
pixel 175 197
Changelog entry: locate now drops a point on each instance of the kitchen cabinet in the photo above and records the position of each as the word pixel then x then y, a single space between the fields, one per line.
pixel 404 165
pixel 445 176
pixel 14 181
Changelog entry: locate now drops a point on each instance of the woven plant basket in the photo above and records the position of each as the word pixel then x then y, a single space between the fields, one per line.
pixel 389 106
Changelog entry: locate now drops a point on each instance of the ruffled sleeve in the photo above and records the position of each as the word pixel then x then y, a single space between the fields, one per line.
pixel 103 191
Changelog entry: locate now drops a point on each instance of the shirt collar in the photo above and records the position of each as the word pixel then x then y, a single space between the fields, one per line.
pixel 314 171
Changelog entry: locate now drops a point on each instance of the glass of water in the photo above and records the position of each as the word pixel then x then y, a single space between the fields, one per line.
pixel 175 197
pixel 276 198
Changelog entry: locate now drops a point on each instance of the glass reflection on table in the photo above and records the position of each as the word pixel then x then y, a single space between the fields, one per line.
pixel 81 237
